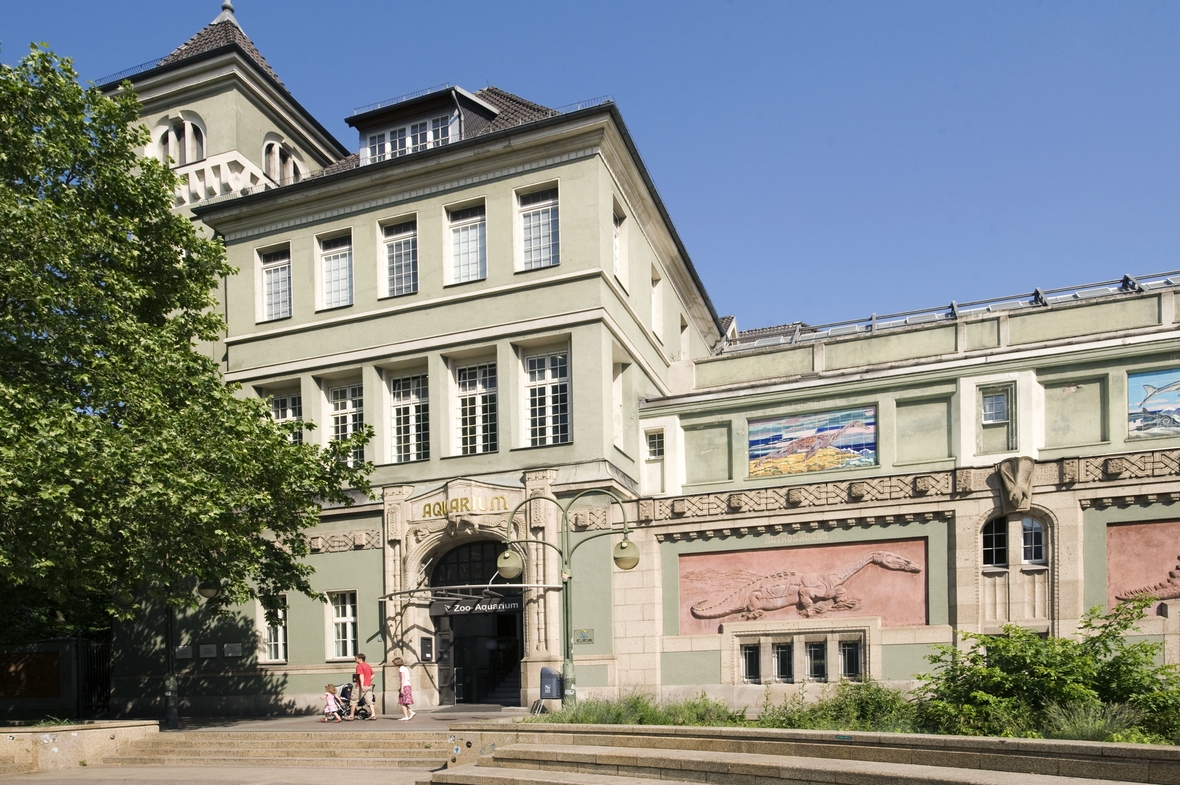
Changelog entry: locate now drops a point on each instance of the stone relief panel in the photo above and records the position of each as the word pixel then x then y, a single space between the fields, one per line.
pixel 1142 558
pixel 336 542
pixel 883 578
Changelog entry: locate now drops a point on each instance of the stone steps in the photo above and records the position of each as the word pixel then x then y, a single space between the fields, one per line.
pixel 363 749
pixel 472 774
pixel 537 764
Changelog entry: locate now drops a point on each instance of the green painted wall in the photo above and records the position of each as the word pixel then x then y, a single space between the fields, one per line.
pixel 713 372
pixel 592 675
pixel 1048 325
pixel 690 667
pixel 707 454
pixel 982 334
pixel 594 596
pixel 923 431
pixel 902 661
pixel 1075 413
pixel 890 348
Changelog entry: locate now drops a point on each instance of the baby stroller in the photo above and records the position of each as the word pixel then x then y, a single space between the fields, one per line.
pixel 344 693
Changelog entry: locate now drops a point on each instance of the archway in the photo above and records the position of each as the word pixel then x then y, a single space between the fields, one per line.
pixel 481 637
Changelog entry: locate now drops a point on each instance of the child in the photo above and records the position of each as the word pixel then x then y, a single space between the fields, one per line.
pixel 331 703
pixel 405 697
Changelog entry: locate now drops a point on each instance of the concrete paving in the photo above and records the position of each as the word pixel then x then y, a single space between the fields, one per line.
pixel 426 719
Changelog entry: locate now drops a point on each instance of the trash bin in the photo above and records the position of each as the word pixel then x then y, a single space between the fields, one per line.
pixel 551 686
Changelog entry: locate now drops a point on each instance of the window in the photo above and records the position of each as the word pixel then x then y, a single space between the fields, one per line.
pixel 995 543
pixel 617 402
pixel 397 142
pixel 548 399
pixel 477 408
pixel 288 407
pixel 411 419
pixel 751 663
pixel 419 137
pixel 784 662
pixel 616 243
pixel 180 141
pixel 412 138
pixel 377 147
pixel 655 445
pixel 469 261
pixel 401 258
pixel 850 660
pixel 440 128
pixel 657 304
pixel 336 266
pixel 995 407
pixel 539 229
pixel 276 285
pixel 344 629
pixel 348 415
pixel 198 144
pixel 1034 541
pixel 817 661
pixel 276 635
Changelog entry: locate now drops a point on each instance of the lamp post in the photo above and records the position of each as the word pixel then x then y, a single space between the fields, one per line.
pixel 625 555
pixel 171 699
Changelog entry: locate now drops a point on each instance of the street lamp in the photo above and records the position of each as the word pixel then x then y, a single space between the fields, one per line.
pixel 171 699
pixel 510 565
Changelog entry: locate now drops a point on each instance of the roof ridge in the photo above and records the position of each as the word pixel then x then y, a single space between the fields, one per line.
pixel 222 31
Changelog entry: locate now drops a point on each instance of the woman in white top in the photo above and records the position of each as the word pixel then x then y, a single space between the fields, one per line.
pixel 405 698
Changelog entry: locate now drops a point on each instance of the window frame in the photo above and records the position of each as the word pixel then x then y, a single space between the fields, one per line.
pixel 332 622
pixel 995 529
pixel 810 647
pixel 417 447
pixel 1040 541
pixel 403 132
pixel 460 219
pixel 264 265
pixel 777 648
pixel 750 657
pixel 284 644
pixel 388 239
pixel 352 417
pixel 323 254
pixel 987 424
pixel 549 386
pixel 843 646
pixel 543 201
pixel 287 406
pixel 486 433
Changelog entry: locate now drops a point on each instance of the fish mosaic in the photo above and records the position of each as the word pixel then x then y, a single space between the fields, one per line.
pixel 1153 404
pixel 842 439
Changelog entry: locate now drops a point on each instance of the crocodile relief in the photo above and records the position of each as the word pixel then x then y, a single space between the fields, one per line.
pixel 811 593
pixel 1167 590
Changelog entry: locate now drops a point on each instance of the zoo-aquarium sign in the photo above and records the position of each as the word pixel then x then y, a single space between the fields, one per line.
pixel 477 504
pixel 841 439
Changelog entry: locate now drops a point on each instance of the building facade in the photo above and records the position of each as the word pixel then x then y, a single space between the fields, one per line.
pixel 497 289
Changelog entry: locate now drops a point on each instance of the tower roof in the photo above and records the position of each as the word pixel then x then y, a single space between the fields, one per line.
pixel 222 31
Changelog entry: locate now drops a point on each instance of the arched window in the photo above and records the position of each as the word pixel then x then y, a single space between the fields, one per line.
pixel 473 564
pixel 181 140
pixel 995 543
pixel 198 144
pixel 1033 541
pixel 164 147
pixel 270 161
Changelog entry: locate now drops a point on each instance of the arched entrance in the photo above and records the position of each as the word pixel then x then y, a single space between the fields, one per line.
pixel 481 637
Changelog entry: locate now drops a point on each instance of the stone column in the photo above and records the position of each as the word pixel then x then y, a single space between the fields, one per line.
pixel 394 552
pixel 542 565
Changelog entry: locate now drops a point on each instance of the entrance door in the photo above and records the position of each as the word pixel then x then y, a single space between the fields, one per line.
pixel 483 649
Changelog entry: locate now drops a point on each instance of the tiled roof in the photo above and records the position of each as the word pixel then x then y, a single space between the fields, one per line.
pixel 221 32
pixel 514 110
pixel 726 321
pixel 770 332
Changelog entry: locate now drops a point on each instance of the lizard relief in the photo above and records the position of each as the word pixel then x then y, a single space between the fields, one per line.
pixel 1167 590
pixel 812 593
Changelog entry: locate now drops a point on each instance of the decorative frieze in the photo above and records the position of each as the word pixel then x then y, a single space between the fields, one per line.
pixel 335 542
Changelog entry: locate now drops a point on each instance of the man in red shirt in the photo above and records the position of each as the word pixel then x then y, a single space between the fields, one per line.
pixel 365 671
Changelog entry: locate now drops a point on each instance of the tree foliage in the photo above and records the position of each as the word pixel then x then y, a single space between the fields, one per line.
pixel 1012 684
pixel 127 466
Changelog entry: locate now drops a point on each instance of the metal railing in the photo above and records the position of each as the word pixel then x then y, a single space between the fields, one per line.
pixel 877 323
pixel 438 88
pixel 121 75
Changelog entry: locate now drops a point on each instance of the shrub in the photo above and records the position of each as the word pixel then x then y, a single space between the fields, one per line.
pixel 866 706
pixel 1090 721
pixel 639 709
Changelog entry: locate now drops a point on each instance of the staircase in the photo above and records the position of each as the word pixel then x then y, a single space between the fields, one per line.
pixel 596 755
pixel 507 692
pixel 365 749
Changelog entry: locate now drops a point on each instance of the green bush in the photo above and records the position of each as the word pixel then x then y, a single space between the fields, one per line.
pixel 846 705
pixel 1003 685
pixel 639 709
pixel 1090 721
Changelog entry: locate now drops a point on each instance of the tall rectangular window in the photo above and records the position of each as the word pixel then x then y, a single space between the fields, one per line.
pixel 397 142
pixel 784 662
pixel 288 408
pixel 348 414
pixel 616 242
pixel 419 137
pixel 1033 535
pixel 995 543
pixel 440 130
pixel 850 660
pixel 344 628
pixel 540 229
pixel 655 445
pixel 276 284
pixel 548 399
pixel 653 467
pixel 276 635
pixel 751 663
pixel 477 408
pixel 336 265
pixel 411 418
pixel 377 147
pixel 469 253
pixel 401 258
pixel 817 661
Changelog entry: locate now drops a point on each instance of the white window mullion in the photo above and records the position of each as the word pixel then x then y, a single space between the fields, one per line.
pixel 548 399
pixel 401 255
pixel 411 419
pixel 336 268
pixel 276 285
pixel 468 244
pixel 540 229
pixel 477 415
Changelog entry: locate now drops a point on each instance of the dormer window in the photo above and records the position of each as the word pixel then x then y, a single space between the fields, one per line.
pixel 402 139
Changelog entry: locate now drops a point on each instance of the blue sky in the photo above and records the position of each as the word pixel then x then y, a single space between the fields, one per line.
pixel 821 161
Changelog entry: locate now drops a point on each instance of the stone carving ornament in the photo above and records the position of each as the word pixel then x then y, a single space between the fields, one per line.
pixel 1016 479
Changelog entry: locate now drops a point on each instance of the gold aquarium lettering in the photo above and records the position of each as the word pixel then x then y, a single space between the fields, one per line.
pixel 466 504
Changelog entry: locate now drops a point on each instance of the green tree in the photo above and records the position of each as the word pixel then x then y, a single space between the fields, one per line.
pixel 127 466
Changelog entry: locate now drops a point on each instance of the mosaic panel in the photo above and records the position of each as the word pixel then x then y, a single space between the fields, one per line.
pixel 842 439
pixel 1153 404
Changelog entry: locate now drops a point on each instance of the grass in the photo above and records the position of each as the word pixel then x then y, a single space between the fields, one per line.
pixel 1090 721
pixel 851 706
pixel 639 709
